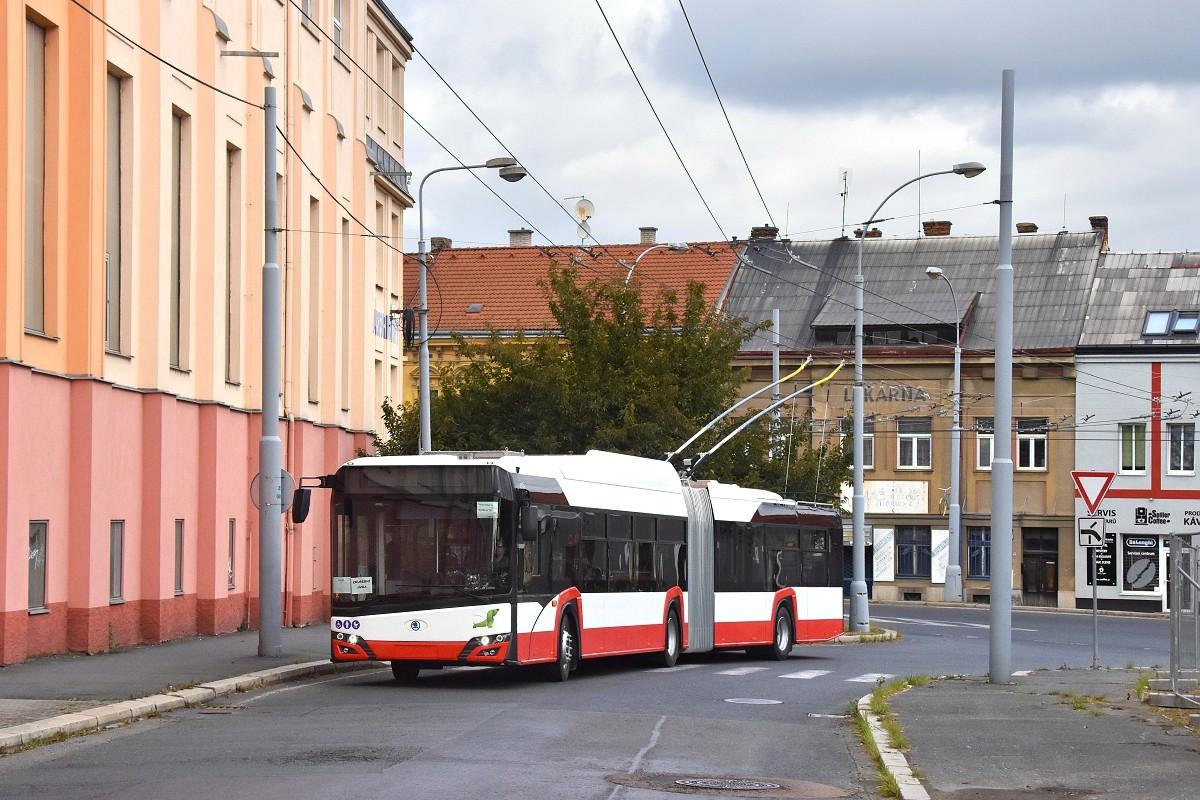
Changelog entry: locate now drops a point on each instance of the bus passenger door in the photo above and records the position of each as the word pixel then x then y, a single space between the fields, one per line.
pixel 701 608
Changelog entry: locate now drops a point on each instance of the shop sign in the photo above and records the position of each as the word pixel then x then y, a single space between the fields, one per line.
pixel 1106 562
pixel 1141 563
pixel 889 393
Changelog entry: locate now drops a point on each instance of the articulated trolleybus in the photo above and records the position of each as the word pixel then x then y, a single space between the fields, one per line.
pixel 506 559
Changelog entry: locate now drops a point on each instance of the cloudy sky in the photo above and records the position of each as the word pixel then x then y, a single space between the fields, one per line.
pixel 1107 114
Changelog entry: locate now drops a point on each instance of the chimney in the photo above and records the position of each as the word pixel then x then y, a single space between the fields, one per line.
pixel 1100 226
pixel 936 227
pixel 437 243
pixel 874 233
pixel 1026 227
pixel 649 234
pixel 764 232
pixel 520 237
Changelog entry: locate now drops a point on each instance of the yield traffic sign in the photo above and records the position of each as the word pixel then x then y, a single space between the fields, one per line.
pixel 1092 487
pixel 1090 531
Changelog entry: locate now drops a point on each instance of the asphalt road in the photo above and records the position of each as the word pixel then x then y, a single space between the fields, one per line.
pixel 469 733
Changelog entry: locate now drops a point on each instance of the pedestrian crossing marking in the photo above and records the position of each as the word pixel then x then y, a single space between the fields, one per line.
pixel 675 668
pixel 870 677
pixel 741 670
pixel 807 674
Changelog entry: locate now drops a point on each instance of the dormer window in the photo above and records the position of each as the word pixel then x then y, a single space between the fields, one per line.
pixel 1162 324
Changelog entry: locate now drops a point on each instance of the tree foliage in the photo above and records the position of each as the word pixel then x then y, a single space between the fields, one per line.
pixel 622 375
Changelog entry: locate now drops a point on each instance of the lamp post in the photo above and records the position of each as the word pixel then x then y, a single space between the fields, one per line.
pixel 674 247
pixel 859 619
pixel 512 172
pixel 954 586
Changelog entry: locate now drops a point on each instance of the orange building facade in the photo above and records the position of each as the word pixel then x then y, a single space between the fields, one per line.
pixel 132 145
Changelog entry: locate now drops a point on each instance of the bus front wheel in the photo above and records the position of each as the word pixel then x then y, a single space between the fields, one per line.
pixel 568 650
pixel 671 644
pixel 404 673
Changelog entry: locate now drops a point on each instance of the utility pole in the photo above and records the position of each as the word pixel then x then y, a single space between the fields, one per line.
pixel 270 507
pixel 1000 643
pixel 773 449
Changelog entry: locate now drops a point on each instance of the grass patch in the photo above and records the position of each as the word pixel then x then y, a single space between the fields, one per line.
pixel 1142 685
pixel 879 707
pixel 887 785
pixel 1082 702
pixel 895 733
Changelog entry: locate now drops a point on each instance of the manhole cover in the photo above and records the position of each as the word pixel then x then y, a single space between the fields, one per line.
pixel 753 701
pixel 736 784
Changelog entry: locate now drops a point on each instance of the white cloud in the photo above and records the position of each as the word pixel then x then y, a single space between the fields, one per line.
pixel 548 78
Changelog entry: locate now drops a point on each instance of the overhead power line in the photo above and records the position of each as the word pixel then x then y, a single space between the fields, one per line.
pixel 721 103
pixel 654 110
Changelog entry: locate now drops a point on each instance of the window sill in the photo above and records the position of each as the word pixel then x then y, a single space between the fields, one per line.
pixel 179 593
pixel 1132 472
pixel 339 57
pixel 1032 469
pixel 310 27
pixel 914 469
pixel 233 384
pixel 118 354
pixel 1181 474
pixel 984 469
pixel 116 601
pixel 181 370
pixel 37 612
pixel 41 335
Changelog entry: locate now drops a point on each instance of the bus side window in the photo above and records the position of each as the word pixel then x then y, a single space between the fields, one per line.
pixel 564 552
pixel 593 568
pixel 814 558
pixel 643 566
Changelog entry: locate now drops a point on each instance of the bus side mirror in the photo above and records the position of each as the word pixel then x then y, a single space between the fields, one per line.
pixel 301 501
pixel 529 523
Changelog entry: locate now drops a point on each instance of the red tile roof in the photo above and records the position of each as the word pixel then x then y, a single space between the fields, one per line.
pixel 502 282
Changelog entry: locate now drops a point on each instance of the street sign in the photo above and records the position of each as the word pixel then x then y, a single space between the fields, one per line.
pixel 1092 487
pixel 1090 531
pixel 287 489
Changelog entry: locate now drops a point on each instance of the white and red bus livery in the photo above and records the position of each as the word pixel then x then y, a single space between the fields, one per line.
pixel 505 559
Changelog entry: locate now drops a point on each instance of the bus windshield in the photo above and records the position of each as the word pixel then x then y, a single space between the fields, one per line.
pixel 404 536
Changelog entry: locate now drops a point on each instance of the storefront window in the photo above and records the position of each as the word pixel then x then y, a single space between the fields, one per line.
pixel 912 551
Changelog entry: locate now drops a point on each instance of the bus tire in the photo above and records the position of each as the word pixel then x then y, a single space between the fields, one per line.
pixel 567 647
pixel 405 674
pixel 783 635
pixel 672 641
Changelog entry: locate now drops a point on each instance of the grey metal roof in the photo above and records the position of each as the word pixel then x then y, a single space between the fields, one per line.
pixel 1053 276
pixel 1127 285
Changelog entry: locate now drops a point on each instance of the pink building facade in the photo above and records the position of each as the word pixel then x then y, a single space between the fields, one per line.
pixel 132 209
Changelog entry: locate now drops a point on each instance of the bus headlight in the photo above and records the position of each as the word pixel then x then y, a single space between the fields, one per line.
pixel 353 639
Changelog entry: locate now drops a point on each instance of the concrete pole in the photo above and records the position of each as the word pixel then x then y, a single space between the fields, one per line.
pixel 860 619
pixel 775 395
pixel 426 441
pixel 1000 641
pixel 954 584
pixel 270 456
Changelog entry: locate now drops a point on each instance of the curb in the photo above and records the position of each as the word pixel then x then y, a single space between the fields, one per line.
pixel 893 760
pixel 888 635
pixel 16 737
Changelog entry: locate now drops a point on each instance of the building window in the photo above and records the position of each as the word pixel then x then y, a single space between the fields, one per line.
pixel 232 584
pixel 116 560
pixel 115 220
pixel 178 556
pixel 339 34
pixel 309 10
pixel 1182 457
pixel 868 438
pixel 178 288
pixel 1133 448
pixel 233 262
pixel 1031 443
pixel 979 552
pixel 1163 324
pixel 985 440
pixel 345 346
pixel 916 443
pixel 314 300
pixel 35 175
pixel 912 551
pixel 38 534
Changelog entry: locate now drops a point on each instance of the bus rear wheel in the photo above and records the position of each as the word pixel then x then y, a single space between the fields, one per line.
pixel 568 650
pixel 405 674
pixel 671 644
pixel 782 639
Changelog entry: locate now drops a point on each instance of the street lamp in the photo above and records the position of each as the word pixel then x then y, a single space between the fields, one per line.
pixel 511 171
pixel 954 586
pixel 674 247
pixel 859 619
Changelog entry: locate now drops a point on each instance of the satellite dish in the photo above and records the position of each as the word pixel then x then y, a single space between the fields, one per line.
pixel 583 230
pixel 584 209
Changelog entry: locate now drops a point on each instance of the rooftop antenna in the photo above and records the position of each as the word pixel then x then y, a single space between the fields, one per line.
pixel 920 228
pixel 844 175
pixel 1064 227
pixel 584 210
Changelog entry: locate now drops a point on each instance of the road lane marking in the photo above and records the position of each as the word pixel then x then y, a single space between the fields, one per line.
pixel 870 677
pixel 942 624
pixel 741 670
pixel 807 675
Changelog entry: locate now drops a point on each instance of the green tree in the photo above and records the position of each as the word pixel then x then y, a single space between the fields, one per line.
pixel 620 375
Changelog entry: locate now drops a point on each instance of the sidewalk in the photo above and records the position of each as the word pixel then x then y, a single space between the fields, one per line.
pixel 53 685
pixel 971 740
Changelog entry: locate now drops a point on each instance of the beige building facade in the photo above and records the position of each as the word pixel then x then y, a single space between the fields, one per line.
pixel 132 206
